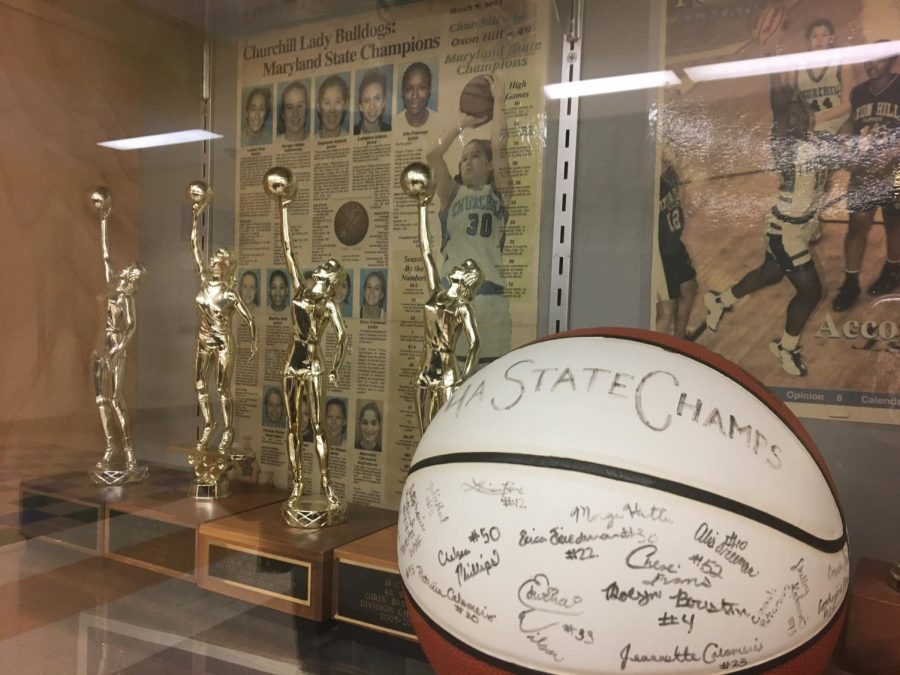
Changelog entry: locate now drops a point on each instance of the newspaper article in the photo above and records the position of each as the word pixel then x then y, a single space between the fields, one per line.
pixel 778 240
pixel 346 105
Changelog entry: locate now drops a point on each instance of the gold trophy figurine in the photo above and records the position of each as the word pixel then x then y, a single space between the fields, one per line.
pixel 446 313
pixel 313 309
pixel 216 301
pixel 108 361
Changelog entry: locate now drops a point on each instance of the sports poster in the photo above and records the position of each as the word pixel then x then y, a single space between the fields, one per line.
pixel 346 105
pixel 755 183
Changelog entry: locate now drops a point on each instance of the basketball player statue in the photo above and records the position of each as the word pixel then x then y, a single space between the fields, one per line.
pixel 216 301
pixel 108 360
pixel 313 309
pixel 446 313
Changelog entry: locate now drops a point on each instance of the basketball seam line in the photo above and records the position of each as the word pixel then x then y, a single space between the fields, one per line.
pixel 462 646
pixel 646 480
pixel 719 369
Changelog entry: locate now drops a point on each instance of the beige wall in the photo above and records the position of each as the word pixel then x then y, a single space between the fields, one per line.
pixel 67 81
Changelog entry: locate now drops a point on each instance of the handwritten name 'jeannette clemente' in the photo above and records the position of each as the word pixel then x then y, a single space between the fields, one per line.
pixel 711 653
pixel 523 379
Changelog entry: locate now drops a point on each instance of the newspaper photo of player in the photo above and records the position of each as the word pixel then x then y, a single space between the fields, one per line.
pixel 346 101
pixel 474 211
pixel 678 288
pixel 789 228
pixel 875 126
pixel 805 157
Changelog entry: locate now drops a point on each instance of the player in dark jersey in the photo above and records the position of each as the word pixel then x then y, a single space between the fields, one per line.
pixel 674 306
pixel 798 156
pixel 874 124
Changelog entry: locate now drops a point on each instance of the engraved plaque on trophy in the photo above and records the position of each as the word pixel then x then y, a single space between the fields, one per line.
pixel 266 574
pixel 151 543
pixel 159 529
pixel 368 588
pixel 253 557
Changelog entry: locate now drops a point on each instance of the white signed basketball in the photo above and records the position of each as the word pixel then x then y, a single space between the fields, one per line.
pixel 613 501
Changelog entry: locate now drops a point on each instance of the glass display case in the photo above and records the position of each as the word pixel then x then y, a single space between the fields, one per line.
pixel 215 381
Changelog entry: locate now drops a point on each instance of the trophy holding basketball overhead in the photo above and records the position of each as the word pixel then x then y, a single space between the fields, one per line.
pixel 108 360
pixel 313 310
pixel 216 301
pixel 446 314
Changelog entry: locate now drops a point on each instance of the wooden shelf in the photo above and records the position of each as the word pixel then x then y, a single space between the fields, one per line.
pixel 871 643
pixel 69 509
pixel 252 556
pixel 159 530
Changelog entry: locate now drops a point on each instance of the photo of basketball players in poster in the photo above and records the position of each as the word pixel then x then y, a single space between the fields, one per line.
pixel 678 281
pixel 785 180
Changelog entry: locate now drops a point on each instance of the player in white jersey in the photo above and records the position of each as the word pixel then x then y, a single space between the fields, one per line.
pixel 825 92
pixel 474 220
pixel 474 213
pixel 821 92
pixel 788 228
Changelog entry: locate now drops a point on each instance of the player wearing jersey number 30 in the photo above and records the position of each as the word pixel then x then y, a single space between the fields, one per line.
pixel 823 91
pixel 473 214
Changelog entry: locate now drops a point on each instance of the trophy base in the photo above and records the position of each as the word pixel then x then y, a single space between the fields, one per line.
pixel 203 490
pixel 312 513
pixel 367 568
pixel 210 475
pixel 111 477
pixel 253 557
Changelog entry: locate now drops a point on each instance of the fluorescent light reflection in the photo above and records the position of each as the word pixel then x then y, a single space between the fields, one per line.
pixel 610 85
pixel 173 138
pixel 784 63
